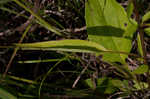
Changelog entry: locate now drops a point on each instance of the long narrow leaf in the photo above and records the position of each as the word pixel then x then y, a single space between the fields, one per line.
pixel 130 9
pixel 65 45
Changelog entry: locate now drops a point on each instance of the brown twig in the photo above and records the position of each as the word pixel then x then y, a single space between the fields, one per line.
pixel 76 29
pixel 77 79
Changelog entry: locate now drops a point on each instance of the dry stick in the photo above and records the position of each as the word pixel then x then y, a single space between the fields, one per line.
pixel 82 72
pixel 76 81
pixel 76 29
pixel 21 28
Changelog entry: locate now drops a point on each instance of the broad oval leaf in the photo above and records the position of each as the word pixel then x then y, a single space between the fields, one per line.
pixel 71 45
pixel 141 69
pixel 108 24
pixel 6 95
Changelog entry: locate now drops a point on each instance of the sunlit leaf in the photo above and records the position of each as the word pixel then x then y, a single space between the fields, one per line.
pixel 130 9
pixel 65 45
pixel 139 45
pixel 108 24
pixel 140 85
pixel 89 83
pixel 147 31
pixel 146 17
pixel 141 69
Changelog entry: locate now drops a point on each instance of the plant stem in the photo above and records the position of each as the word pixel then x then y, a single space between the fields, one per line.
pixel 141 33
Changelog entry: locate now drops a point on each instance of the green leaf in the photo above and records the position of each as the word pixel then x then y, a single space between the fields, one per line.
pixel 122 85
pixel 140 86
pixel 6 95
pixel 130 9
pixel 105 85
pixel 40 20
pixel 147 31
pixel 39 61
pixel 89 83
pixel 108 24
pixel 71 45
pixel 139 45
pixel 124 70
pixel 141 69
pixel 146 17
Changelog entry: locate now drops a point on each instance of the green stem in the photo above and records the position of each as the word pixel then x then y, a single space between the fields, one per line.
pixel 141 33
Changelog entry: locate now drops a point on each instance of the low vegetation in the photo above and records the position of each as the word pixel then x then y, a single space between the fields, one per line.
pixel 70 49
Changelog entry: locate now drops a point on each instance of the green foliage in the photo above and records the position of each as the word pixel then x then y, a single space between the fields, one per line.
pixel 130 9
pixel 141 69
pixel 107 32
pixel 39 19
pixel 108 85
pixel 147 31
pixel 108 25
pixel 138 85
pixel 105 85
pixel 110 33
pixel 38 61
pixel 122 85
pixel 65 45
pixel 6 95
pixel 89 83
pixel 139 45
pixel 110 29
pixel 146 17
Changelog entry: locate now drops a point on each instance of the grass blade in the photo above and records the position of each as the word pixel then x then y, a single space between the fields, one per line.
pixel 41 21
